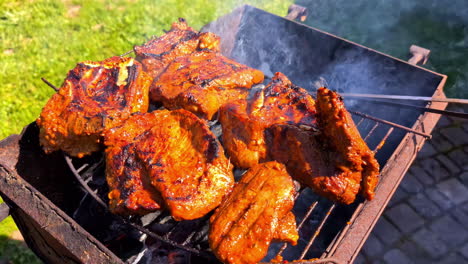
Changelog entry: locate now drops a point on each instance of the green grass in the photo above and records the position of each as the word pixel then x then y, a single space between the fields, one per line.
pixel 14 252
pixel 47 38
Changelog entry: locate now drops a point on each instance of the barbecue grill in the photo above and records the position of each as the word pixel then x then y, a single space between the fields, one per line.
pixel 57 202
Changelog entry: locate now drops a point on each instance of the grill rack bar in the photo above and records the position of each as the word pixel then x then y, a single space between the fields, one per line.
pixel 317 232
pixel 307 215
pixel 136 226
pixel 195 237
pixel 427 136
pixel 332 207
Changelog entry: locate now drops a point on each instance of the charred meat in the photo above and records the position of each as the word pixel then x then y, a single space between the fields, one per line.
pixel 256 212
pixel 166 159
pixel 311 164
pixel 156 54
pixel 319 144
pixel 244 121
pixel 94 97
pixel 202 82
pixel 189 72
pixel 336 163
pixel 342 136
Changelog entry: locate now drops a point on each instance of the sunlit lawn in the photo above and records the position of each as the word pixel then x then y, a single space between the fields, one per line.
pixel 47 38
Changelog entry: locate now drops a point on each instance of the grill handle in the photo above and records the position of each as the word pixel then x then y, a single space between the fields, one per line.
pixel 297 12
pixel 419 55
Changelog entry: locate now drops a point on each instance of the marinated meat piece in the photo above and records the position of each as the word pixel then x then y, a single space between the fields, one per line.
pixel 279 123
pixel 127 175
pixel 336 163
pixel 244 225
pixel 94 97
pixel 202 82
pixel 181 40
pixel 244 122
pixel 287 230
pixel 342 136
pixel 165 154
pixel 306 159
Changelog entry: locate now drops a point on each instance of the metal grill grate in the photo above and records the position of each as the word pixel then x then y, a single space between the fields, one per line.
pixel 313 213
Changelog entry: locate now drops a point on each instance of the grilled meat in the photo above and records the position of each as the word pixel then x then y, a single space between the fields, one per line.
pixel 341 135
pixel 94 97
pixel 170 156
pixel 244 225
pixel 320 146
pixel 287 230
pixel 336 163
pixel 310 163
pixel 203 81
pixel 244 122
pixel 181 40
pixel 190 73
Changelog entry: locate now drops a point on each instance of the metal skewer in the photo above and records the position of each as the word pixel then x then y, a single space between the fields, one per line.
pixel 425 109
pixel 391 124
pixel 126 53
pixel 51 85
pixel 406 97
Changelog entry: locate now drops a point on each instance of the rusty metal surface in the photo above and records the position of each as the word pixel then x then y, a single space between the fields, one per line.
pixel 353 238
pixel 20 157
pixel 50 233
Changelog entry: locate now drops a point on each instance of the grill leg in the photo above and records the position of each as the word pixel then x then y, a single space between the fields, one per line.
pixel 4 211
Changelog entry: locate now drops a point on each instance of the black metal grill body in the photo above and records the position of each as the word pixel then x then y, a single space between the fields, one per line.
pixel 269 43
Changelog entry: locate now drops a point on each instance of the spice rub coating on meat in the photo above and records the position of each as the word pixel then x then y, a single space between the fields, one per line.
pixel 94 97
pixel 320 145
pixel 257 212
pixel 156 54
pixel 336 163
pixel 342 136
pixel 202 82
pixel 311 164
pixel 244 121
pixel 168 156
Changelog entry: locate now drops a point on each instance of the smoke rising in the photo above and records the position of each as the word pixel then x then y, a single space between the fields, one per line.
pixel 391 26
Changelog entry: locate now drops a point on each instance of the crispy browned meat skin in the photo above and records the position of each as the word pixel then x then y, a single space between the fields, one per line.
pixel 244 122
pixel 181 40
pixel 190 73
pixel 342 136
pixel 203 81
pixel 312 164
pixel 94 97
pixel 244 225
pixel 170 155
pixel 327 154
pixel 287 230
pixel 336 163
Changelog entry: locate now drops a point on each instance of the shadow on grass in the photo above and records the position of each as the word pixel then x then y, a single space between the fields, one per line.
pixel 16 252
